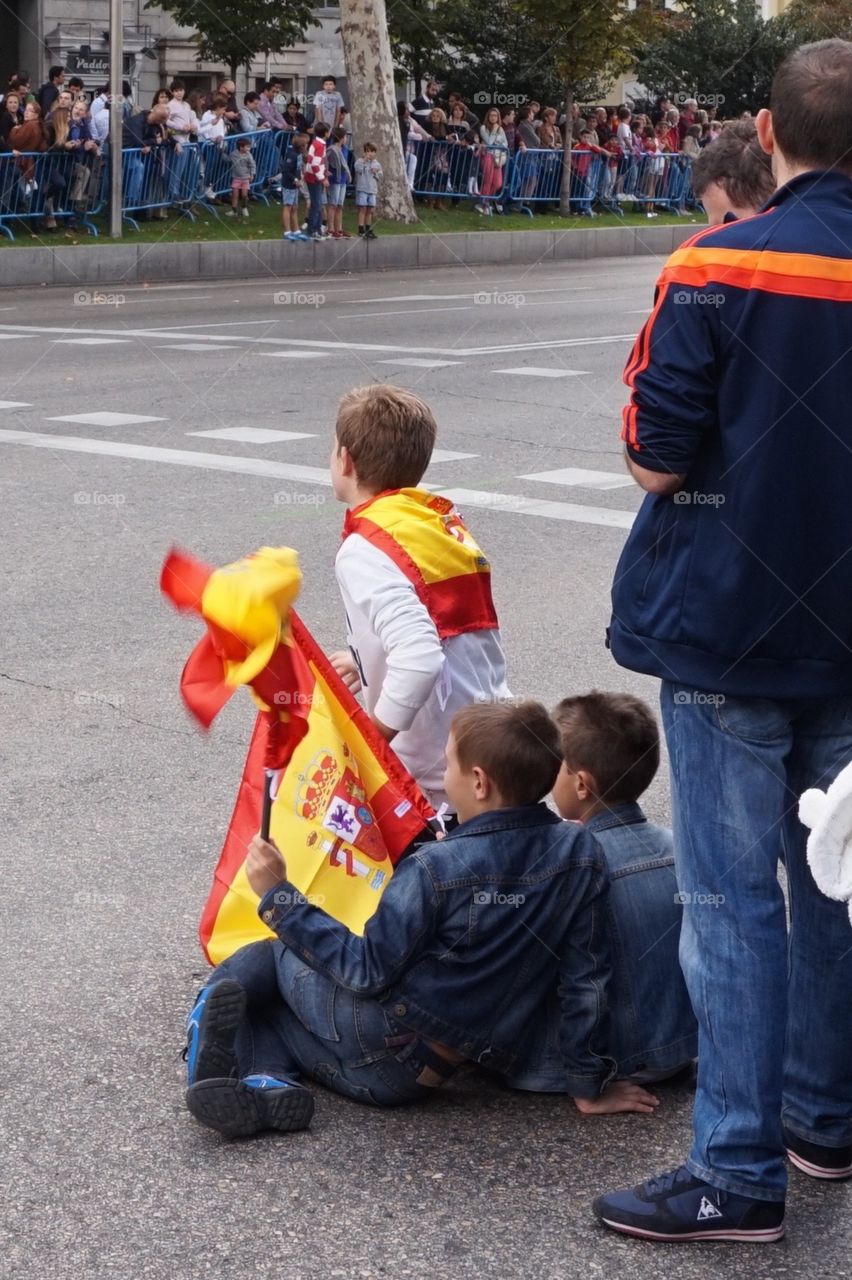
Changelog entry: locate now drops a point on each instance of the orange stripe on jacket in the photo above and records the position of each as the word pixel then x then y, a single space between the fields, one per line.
pixel 629 431
pixel 801 275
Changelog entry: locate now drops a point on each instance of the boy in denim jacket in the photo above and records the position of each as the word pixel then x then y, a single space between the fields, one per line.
pixel 611 752
pixel 470 939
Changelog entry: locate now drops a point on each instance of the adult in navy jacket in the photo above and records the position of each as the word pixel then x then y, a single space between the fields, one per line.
pixel 735 588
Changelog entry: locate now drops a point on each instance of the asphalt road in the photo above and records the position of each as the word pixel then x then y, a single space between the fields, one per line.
pixel 114 807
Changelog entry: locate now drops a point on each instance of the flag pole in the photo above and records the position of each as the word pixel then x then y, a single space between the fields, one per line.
pixel 268 781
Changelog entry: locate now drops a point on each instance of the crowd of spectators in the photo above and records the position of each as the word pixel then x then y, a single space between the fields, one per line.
pixel 451 152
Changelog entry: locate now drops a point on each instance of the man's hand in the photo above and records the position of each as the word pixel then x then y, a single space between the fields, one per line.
pixel 265 867
pixel 620 1095
pixel 345 667
pixel 656 482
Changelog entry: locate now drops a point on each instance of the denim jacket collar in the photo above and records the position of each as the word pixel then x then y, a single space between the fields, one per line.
pixel 526 815
pixel 616 815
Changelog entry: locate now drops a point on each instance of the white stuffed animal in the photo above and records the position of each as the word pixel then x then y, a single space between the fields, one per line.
pixel 828 814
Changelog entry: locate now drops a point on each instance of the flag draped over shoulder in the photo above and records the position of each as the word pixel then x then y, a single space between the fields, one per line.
pixel 345 808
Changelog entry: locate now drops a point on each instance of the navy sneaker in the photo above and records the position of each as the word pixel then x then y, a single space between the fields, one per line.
pixel 240 1108
pixel 831 1163
pixel 679 1206
pixel 211 1030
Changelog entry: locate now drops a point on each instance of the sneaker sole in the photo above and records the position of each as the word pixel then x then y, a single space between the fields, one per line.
pixel 224 1011
pixel 238 1111
pixel 818 1170
pixel 767 1236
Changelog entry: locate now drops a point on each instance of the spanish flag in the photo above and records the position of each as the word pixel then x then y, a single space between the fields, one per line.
pixel 344 807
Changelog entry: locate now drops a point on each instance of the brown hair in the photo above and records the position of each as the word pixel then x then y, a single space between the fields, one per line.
pixel 389 433
pixel 809 102
pixel 613 736
pixel 738 163
pixel 515 743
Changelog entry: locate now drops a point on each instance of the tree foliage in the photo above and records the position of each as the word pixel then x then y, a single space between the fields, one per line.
pixel 235 31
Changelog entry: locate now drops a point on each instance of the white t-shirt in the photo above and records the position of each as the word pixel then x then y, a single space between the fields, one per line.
pixel 412 680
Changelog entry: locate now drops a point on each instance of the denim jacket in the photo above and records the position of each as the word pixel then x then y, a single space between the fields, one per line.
pixel 652 1024
pixel 474 938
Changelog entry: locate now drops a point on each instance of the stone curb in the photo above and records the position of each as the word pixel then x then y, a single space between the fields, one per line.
pixel 127 263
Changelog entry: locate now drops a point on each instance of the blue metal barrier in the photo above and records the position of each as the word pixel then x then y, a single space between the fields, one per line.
pixel 40 188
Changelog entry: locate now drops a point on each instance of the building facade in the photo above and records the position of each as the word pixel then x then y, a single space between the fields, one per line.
pixel 37 34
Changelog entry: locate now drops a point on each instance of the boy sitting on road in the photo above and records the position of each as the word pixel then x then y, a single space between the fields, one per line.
pixel 423 631
pixel 611 752
pixel 455 965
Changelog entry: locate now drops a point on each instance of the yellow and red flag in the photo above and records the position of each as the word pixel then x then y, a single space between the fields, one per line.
pixel 345 808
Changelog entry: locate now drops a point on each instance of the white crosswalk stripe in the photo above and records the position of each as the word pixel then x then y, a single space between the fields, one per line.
pixel 571 476
pixel 253 435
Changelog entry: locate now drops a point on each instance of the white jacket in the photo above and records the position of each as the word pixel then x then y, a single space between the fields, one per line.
pixel 412 681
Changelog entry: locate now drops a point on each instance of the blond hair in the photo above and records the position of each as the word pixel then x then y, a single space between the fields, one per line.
pixel 389 435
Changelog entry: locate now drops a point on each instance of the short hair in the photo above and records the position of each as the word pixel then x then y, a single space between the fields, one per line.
pixel 333 79
pixel 389 434
pixel 176 84
pixel 219 100
pixel 738 164
pixel 515 743
pixel 624 113
pixel 320 129
pixel 338 134
pixel 243 141
pixel 270 84
pixel 75 83
pixel 54 72
pixel 251 96
pixel 614 737
pixel 370 146
pixel 809 101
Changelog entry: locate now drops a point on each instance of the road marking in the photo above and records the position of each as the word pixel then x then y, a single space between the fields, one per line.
pixel 106 419
pixel 253 435
pixel 10 337
pixel 447 455
pixel 417 311
pixel 297 355
pixel 14 404
pixel 585 479
pixel 512 503
pixel 532 372
pixel 475 293
pixel 515 504
pixel 317 345
pixel 89 342
pixel 414 363
pixel 194 346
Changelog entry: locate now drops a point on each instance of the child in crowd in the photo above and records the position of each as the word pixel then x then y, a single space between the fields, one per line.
pixel 456 964
pixel 611 752
pixel 213 125
pixel 422 629
pixel 368 175
pixel 338 176
pixel 316 176
pixel 291 180
pixel 243 170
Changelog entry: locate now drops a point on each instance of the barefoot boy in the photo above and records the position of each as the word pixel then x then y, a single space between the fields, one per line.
pixel 423 632
pixel 470 939
pixel 611 752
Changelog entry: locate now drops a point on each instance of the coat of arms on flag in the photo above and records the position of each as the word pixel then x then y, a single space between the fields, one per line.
pixel 343 807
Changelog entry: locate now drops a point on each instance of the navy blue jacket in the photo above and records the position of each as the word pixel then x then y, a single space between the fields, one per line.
pixel 741 380
pixel 477 939
pixel 291 169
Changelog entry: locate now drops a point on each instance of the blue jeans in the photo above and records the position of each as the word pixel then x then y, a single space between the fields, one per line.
pixel 315 190
pixel 774 1011
pixel 300 1022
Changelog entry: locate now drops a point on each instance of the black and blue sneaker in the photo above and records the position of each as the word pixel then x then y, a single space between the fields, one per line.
pixel 240 1108
pixel 833 1164
pixel 211 1030
pixel 678 1206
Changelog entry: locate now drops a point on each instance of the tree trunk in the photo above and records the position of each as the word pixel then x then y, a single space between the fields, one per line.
pixel 372 100
pixel 567 144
